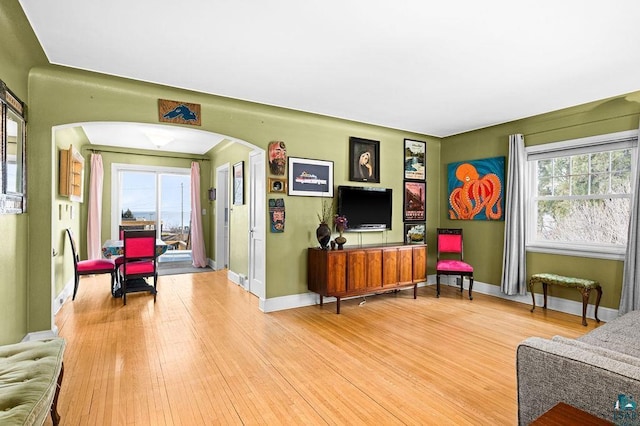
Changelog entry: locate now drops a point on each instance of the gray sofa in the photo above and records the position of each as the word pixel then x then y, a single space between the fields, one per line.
pixel 598 372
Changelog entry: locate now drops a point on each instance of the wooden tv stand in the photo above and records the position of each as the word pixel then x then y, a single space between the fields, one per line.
pixel 357 271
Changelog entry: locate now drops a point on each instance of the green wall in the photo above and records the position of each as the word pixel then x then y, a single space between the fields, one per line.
pixel 484 240
pixel 19 51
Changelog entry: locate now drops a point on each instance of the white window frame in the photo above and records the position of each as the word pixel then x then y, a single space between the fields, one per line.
pixel 599 143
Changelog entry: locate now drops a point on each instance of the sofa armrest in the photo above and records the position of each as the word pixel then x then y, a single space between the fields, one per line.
pixel 549 372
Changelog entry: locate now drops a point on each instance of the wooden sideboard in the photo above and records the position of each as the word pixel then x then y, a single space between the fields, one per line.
pixel 357 271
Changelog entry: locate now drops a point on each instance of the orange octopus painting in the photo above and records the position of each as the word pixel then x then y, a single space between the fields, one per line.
pixel 475 189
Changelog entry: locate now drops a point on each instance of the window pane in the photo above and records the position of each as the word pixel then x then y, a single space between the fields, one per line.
pixel 561 186
pixel 545 168
pixel 621 160
pixel 561 166
pixel 544 186
pixel 599 184
pixel 580 185
pixel 600 162
pixel 580 164
pixel 587 221
pixel 621 182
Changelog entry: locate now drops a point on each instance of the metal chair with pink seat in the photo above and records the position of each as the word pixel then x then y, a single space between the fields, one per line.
pixel 139 263
pixel 89 267
pixel 450 260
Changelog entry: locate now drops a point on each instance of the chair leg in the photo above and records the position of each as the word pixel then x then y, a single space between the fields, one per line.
pixel 75 286
pixel 461 283
pixel 437 285
pixel 470 287
pixel 155 287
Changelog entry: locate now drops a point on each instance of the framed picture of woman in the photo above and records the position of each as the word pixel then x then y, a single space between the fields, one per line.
pixel 364 160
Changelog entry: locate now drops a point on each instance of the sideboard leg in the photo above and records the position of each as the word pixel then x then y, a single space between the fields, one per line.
pixel 337 305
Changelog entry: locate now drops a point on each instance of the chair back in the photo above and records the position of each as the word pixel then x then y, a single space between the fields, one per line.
pixel 139 245
pixel 450 241
pixel 74 251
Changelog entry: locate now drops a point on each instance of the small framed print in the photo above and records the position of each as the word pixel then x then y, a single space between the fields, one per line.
pixel 364 160
pixel 277 185
pixel 238 183
pixel 311 178
pixel 415 201
pixel 415 159
pixel 415 233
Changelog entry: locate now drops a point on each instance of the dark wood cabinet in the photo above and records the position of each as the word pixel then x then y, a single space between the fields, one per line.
pixel 365 270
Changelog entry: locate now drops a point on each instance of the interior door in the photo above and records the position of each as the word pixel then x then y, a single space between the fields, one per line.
pixel 257 220
pixel 222 217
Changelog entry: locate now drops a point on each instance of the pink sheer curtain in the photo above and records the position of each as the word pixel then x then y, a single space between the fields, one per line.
pixel 197 238
pixel 94 219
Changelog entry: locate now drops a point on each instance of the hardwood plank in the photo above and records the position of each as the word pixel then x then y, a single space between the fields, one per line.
pixel 205 354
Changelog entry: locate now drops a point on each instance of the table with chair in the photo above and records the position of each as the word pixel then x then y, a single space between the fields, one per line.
pixel 137 252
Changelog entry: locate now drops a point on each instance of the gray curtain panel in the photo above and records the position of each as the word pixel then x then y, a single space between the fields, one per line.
pixel 514 271
pixel 630 295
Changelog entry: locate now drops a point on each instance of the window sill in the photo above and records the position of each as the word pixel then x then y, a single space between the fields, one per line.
pixel 596 253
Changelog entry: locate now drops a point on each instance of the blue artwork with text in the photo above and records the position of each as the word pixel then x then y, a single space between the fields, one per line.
pixel 182 110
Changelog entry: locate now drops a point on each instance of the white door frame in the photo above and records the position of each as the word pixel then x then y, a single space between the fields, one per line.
pixel 257 223
pixel 222 217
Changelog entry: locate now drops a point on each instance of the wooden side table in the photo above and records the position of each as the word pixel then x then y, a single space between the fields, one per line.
pixel 563 414
pixel 584 286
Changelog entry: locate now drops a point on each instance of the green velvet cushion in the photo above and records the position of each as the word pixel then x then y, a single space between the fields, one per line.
pixel 28 378
pixel 563 281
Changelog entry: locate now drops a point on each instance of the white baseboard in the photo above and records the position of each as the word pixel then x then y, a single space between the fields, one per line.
pixel 553 303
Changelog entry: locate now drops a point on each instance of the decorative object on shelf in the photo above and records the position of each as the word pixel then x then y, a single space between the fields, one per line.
pixel 313 178
pixel 475 189
pixel 415 159
pixel 323 232
pixel 178 112
pixel 238 183
pixel 364 160
pixel 333 244
pixel 415 199
pixel 277 158
pixel 276 212
pixel 340 222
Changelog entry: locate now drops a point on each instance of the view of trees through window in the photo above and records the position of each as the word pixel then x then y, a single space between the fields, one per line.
pixel 584 198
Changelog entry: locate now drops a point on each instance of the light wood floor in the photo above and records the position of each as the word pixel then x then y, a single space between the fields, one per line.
pixel 204 354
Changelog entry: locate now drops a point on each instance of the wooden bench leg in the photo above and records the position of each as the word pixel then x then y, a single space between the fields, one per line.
pixel 544 291
pixel 599 290
pixel 55 417
pixel 533 296
pixel 585 301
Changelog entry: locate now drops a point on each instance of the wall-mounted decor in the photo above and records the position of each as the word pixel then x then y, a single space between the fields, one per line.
pixel 415 198
pixel 415 233
pixel 415 159
pixel 178 112
pixel 277 185
pixel 364 160
pixel 71 182
pixel 13 167
pixel 312 178
pixel 476 189
pixel 238 183
pixel 277 158
pixel 276 213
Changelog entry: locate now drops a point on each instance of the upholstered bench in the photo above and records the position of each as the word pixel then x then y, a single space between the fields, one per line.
pixel 30 378
pixel 584 286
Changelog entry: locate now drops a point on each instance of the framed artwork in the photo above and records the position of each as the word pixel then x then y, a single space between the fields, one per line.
pixel 415 159
pixel 415 199
pixel 364 160
pixel 313 178
pixel 277 158
pixel 475 189
pixel 277 185
pixel 238 183
pixel 415 233
pixel 178 112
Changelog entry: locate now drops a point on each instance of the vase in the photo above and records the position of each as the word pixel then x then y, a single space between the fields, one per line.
pixel 340 241
pixel 323 234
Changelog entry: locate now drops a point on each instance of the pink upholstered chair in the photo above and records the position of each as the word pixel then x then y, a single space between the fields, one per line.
pixel 139 261
pixel 451 258
pixel 89 267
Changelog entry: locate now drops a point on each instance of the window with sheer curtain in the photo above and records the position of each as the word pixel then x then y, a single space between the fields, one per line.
pixel 578 200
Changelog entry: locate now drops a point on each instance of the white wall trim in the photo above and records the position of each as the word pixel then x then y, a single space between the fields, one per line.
pixel 553 303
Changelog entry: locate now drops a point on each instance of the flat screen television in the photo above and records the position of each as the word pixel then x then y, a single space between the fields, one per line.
pixel 366 208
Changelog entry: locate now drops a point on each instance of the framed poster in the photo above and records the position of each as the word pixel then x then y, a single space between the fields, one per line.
pixel 313 178
pixel 475 189
pixel 415 201
pixel 238 183
pixel 364 160
pixel 415 233
pixel 415 159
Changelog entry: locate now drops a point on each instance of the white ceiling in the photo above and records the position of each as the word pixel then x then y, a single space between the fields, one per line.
pixel 437 68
